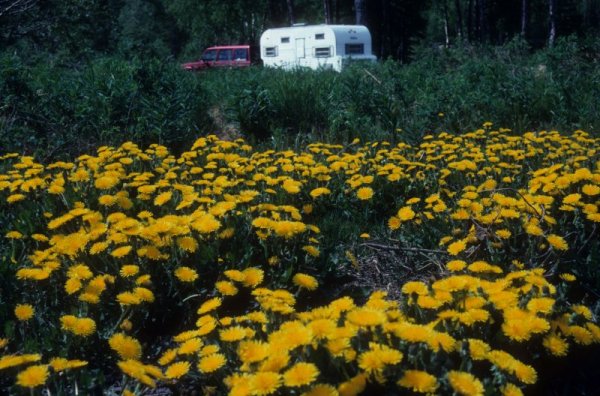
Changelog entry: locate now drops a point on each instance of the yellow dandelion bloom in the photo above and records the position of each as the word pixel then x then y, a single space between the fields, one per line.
pixel 366 317
pixel 321 390
pixel 556 345
pixel 456 265
pixel 305 281
pixel 226 288
pixel 394 223
pixel 457 247
pixel 177 370
pixel 252 277
pixel 252 351
pixel 211 363
pixel 418 381
pixel 406 213
pixel 163 198
pixel 557 242
pixel 129 270
pixel 24 312
pixel 364 193
pixel 234 333
pixel 209 305
pixel 264 383
pixel 590 189
pixel 84 327
pixel 121 251
pixel 465 383
pixel 511 390
pixel 61 364
pixel 127 347
pixel 33 376
pixel 186 274
pixel 188 244
pixel 300 374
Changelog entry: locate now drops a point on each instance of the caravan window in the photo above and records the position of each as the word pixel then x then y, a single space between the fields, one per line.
pixel 271 51
pixel 320 36
pixel 323 52
pixel 285 40
pixel 355 49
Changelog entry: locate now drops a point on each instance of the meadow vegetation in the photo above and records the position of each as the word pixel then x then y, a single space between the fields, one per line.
pixel 461 263
pixel 54 110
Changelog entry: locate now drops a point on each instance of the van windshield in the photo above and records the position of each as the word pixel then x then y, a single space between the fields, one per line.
pixel 209 55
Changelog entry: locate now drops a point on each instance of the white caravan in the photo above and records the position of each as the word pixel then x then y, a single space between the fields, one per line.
pixel 315 46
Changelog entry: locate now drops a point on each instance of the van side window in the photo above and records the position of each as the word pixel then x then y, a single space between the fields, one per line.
pixel 355 49
pixel 270 51
pixel 285 40
pixel 323 52
pixel 209 55
pixel 240 54
pixel 224 55
pixel 320 36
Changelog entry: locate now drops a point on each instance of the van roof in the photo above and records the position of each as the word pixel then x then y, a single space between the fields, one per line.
pixel 228 46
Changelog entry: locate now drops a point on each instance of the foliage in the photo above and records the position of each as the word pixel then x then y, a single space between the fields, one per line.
pixel 228 267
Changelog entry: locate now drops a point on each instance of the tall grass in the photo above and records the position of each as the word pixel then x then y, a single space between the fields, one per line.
pixel 60 110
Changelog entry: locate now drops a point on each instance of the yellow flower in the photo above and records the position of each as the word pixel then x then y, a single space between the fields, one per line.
pixel 61 364
pixel 162 198
pixel 317 192
pixel 188 244
pixel 557 242
pixel 321 390
pixel 226 288
pixel 555 345
pixel 209 305
pixel 511 390
pixel 14 235
pixel 129 270
pixel 264 383
pixel 311 250
pixel 252 277
pixel 418 381
pixel 590 189
pixel 252 351
pixel 406 213
pixel 17 360
pixel 394 223
pixel 305 281
pixel 366 317
pixel 121 251
pixel 190 346
pixel 186 274
pixel 457 247
pixel 300 374
pixel 177 370
pixel 415 287
pixel 234 333
pixel 364 193
pixel 84 327
pixel 465 383
pixel 456 265
pixel 127 347
pixel 24 312
pixel 211 362
pixel 33 376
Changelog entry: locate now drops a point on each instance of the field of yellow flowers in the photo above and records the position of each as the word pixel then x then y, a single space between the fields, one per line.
pixel 222 269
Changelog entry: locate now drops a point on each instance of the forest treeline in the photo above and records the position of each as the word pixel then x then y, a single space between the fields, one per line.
pixel 80 29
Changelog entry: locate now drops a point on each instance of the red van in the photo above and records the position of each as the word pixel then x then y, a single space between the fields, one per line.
pixel 221 56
